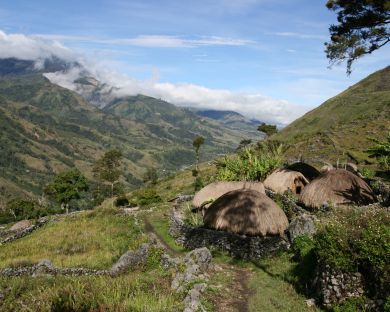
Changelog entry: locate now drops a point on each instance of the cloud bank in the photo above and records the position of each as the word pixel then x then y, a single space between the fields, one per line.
pixel 252 105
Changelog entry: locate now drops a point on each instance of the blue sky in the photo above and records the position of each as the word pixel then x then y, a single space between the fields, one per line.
pixel 272 48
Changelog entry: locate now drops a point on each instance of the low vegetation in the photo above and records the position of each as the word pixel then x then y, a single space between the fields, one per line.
pixel 358 240
pixel 93 239
pixel 250 163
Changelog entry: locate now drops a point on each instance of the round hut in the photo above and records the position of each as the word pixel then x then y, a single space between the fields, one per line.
pixel 337 187
pixel 246 212
pixel 216 189
pixel 309 172
pixel 281 180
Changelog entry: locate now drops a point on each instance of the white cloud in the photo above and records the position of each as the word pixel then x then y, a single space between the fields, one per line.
pixel 32 48
pixel 157 41
pixel 252 105
pixel 298 35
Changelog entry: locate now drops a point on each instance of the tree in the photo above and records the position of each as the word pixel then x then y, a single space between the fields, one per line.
pixel 362 28
pixel 197 143
pixel 267 129
pixel 66 186
pixel 108 168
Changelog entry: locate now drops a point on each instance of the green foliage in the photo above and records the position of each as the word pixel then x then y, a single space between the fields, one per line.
pixel 303 273
pixel 66 186
pixel 386 307
pixel 107 168
pixel 243 143
pixel 358 240
pixel 362 28
pixel 197 142
pixel 303 245
pixel 20 209
pixel 145 197
pixel 351 305
pixel 367 173
pixel 381 151
pixel 267 129
pixel 250 164
pixel 198 183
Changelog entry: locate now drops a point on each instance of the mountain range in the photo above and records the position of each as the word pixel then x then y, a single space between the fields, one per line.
pixel 45 128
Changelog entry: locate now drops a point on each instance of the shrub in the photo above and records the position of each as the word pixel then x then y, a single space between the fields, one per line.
pixel 198 183
pixel 358 240
pixel 121 201
pixel 144 197
pixel 351 305
pixel 20 209
pixel 250 164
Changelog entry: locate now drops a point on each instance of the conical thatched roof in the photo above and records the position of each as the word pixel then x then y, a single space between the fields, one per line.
pixel 216 189
pixel 309 172
pixel 246 212
pixel 283 179
pixel 338 187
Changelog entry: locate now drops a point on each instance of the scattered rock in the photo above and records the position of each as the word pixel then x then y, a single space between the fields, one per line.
pixel 310 302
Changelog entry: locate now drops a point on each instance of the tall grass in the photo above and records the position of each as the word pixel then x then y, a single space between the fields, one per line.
pixel 136 291
pixel 251 163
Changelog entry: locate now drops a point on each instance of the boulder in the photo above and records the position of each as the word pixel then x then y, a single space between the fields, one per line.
pixel 302 225
pixel 131 259
pixel 21 225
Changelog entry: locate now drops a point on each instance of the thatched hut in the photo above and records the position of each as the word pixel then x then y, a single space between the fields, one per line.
pixel 282 180
pixel 337 187
pixel 246 212
pixel 216 189
pixel 309 172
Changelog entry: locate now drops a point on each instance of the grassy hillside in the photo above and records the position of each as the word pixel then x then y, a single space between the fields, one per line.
pixel 341 127
pixel 45 129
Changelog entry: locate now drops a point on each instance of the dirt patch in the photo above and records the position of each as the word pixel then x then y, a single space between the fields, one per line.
pixel 235 298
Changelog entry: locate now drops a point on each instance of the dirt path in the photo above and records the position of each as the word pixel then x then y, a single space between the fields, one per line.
pixel 236 296
pixel 149 229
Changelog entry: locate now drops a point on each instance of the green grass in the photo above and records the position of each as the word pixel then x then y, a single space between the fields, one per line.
pixel 92 239
pixel 160 223
pixel 272 285
pixel 136 291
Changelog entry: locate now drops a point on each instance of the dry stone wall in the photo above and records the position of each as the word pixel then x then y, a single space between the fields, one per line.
pixel 238 246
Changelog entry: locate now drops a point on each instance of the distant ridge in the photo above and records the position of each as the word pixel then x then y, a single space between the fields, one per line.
pixel 341 128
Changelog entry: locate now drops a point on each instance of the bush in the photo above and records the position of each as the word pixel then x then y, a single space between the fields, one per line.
pixel 121 201
pixel 359 240
pixel 351 305
pixel 144 197
pixel 250 164
pixel 198 183
pixel 20 209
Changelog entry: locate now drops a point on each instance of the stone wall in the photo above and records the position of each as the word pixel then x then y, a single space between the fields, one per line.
pixel 10 236
pixel 335 286
pixel 238 246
